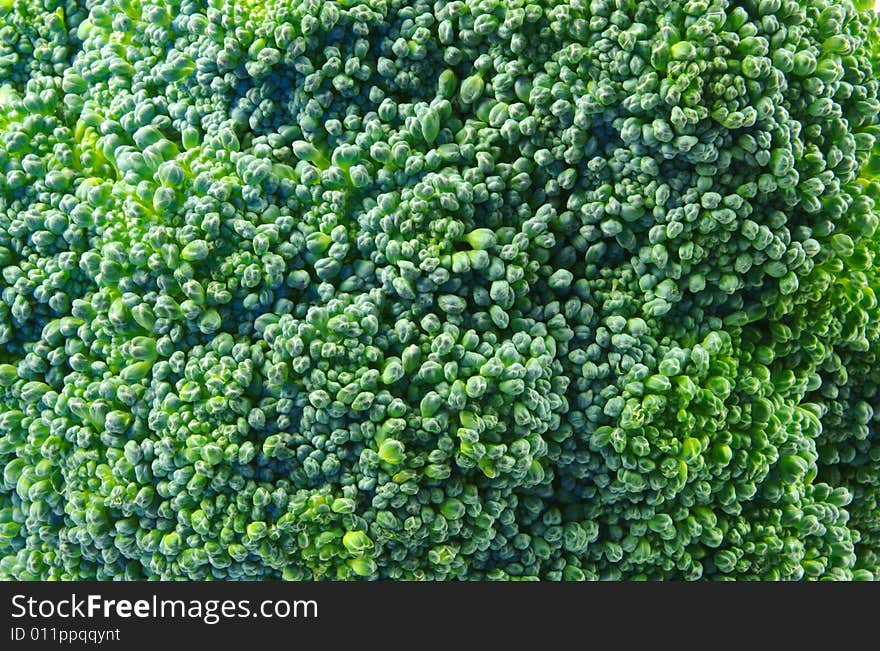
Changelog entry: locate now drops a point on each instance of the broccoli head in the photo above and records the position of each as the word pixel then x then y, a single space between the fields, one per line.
pixel 461 289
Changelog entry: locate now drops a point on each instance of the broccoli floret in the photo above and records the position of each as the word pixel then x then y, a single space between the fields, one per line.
pixel 467 289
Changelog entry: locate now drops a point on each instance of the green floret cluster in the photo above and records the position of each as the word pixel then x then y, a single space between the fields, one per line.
pixel 450 289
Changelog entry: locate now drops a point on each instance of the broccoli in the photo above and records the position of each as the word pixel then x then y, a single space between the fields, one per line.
pixel 459 289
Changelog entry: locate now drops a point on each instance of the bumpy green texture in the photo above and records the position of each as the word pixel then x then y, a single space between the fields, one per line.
pixel 481 289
